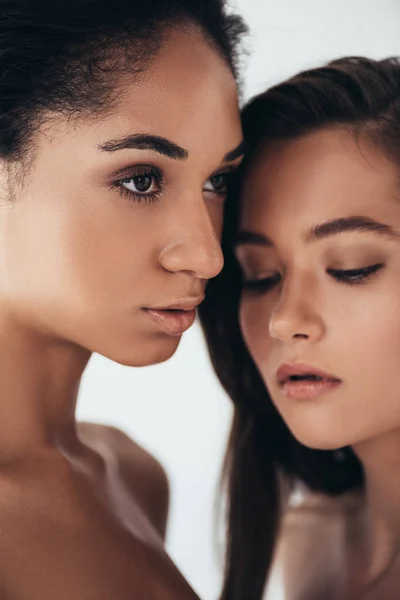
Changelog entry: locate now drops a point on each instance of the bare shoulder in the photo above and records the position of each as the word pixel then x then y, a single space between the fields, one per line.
pixel 141 473
pixel 311 545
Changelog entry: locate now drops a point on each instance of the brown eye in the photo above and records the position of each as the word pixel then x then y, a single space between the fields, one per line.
pixel 217 184
pixel 142 183
pixel 145 184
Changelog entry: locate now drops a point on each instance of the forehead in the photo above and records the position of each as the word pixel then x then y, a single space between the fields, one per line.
pixel 187 94
pixel 188 90
pixel 327 174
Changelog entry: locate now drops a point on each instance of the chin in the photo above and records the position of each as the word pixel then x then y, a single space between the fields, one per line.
pixel 152 352
pixel 317 424
pixel 315 437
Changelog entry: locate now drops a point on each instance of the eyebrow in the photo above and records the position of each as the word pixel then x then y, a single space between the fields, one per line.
pixel 145 141
pixel 237 152
pixel 324 230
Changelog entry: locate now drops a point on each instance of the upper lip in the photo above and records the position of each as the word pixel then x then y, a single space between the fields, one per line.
pixel 183 304
pixel 286 370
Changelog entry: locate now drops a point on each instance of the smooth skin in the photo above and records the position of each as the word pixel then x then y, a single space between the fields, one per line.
pixel 331 299
pixel 94 231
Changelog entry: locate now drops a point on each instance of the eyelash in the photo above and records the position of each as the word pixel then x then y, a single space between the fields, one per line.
pixel 348 277
pixel 151 172
pixel 227 177
pixel 156 175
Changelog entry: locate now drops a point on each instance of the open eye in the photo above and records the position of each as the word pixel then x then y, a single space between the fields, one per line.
pixel 141 184
pixel 218 184
pixel 144 185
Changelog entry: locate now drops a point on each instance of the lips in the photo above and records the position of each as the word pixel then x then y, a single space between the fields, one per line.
pixel 175 318
pixel 172 322
pixel 183 305
pixel 302 372
pixel 300 381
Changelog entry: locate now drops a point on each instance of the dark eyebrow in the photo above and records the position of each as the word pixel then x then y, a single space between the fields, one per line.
pixel 343 225
pixel 236 152
pixel 144 141
pixel 324 230
pixel 249 237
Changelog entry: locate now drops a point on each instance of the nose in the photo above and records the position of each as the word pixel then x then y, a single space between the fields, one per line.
pixel 296 316
pixel 195 247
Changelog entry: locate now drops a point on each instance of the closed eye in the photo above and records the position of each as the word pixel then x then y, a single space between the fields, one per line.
pixel 260 285
pixel 348 277
pixel 355 276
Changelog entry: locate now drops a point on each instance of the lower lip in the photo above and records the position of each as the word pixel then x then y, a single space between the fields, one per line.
pixel 172 322
pixel 308 389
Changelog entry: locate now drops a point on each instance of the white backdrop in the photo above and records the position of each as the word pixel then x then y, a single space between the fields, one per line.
pixel 177 410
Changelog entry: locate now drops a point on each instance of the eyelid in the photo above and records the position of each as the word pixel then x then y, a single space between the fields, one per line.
pixel 356 276
pixel 226 174
pixel 229 171
pixel 258 273
pixel 140 171
pixel 230 168
pixel 131 170
pixel 263 284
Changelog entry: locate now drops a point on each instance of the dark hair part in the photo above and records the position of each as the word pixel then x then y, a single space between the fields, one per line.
pixel 362 96
pixel 63 56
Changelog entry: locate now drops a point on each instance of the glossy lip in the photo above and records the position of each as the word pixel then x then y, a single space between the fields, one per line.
pixel 176 317
pixel 172 322
pixel 308 389
pixel 286 370
pixel 187 304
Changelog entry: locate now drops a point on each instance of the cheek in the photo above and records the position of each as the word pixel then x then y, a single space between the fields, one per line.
pixel 374 334
pixel 72 249
pixel 254 323
pixel 216 214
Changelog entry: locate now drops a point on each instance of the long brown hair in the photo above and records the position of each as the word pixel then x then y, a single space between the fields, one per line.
pixel 362 96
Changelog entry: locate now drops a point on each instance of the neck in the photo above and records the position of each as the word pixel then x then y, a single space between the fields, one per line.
pixel 39 380
pixel 381 462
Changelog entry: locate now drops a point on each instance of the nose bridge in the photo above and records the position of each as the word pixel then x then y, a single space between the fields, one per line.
pixel 297 311
pixel 296 291
pixel 195 246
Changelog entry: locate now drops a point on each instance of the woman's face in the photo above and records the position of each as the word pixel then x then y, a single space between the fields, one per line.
pixel 123 214
pixel 319 247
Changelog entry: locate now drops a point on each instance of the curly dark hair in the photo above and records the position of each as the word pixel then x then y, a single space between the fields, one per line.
pixel 362 96
pixel 64 56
